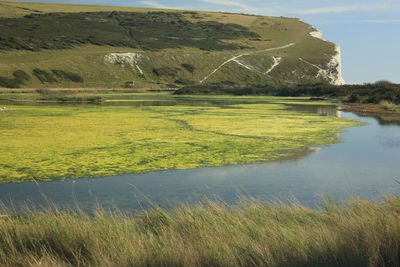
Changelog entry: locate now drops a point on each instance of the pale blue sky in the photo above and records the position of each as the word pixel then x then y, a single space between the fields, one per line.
pixel 367 30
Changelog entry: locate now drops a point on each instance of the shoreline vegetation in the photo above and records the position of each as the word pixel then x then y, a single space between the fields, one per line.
pixel 385 93
pixel 88 97
pixel 379 98
pixel 252 233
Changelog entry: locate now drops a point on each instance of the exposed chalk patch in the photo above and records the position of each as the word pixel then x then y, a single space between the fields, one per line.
pixel 124 59
pixel 317 34
pixel 333 72
pixel 335 67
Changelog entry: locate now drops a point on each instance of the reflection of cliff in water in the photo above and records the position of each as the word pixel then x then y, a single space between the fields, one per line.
pixel 323 110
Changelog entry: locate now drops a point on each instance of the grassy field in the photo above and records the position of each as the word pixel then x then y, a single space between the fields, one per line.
pixel 250 234
pixel 15 9
pixel 54 141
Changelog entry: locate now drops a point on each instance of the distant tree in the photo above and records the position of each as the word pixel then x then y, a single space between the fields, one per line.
pixel 354 98
pixel 44 76
pixel 21 75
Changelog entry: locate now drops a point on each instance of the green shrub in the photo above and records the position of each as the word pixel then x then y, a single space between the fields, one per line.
pixel 65 75
pixel 44 76
pixel 20 77
pixel 9 82
pixel 129 84
pixel 354 98
pixel 189 67
pixel 184 81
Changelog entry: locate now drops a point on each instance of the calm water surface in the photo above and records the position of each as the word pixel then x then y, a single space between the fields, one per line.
pixel 366 164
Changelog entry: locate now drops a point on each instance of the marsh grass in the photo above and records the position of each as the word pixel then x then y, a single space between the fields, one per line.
pixel 210 234
pixel 49 142
pixel 389 106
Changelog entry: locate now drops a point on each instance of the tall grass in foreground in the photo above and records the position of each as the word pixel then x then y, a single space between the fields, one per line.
pixel 250 234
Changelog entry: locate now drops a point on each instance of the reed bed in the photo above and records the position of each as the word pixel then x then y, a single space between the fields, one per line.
pixel 252 233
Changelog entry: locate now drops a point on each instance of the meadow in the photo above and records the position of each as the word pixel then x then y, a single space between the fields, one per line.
pixel 210 234
pixel 47 142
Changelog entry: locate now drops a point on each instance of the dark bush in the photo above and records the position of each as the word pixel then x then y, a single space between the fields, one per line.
pixel 184 81
pixel 354 98
pixel 65 75
pixel 21 75
pixel 129 84
pixel 44 76
pixel 19 79
pixel 189 67
pixel 171 85
pixel 9 83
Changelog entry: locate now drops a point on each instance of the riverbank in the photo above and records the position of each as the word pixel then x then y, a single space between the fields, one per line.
pixel 250 234
pixel 385 113
pixel 382 108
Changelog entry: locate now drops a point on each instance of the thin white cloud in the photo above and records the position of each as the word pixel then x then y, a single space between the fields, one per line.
pixel 238 6
pixel 152 4
pixel 230 3
pixel 378 21
pixel 289 10
pixel 341 9
pixel 158 5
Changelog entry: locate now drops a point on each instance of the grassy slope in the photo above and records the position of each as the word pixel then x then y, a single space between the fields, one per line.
pixel 48 142
pixel 14 9
pixel 88 61
pixel 253 234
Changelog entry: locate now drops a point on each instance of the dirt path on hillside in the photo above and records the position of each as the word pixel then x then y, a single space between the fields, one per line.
pixel 244 54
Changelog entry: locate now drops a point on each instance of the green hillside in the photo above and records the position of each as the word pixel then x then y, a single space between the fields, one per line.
pixel 63 45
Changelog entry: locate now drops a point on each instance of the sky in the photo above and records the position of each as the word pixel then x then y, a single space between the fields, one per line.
pixel 368 31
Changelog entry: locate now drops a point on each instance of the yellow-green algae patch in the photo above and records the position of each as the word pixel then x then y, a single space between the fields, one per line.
pixel 51 142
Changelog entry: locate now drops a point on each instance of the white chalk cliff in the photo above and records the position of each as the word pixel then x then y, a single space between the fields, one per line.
pixel 333 72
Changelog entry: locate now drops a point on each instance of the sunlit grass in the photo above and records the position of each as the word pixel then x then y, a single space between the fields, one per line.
pixel 52 142
pixel 211 234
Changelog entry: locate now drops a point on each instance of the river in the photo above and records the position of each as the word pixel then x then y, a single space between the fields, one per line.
pixel 366 164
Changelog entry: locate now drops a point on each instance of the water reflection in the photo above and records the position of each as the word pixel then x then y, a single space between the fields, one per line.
pixel 323 110
pixel 383 119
